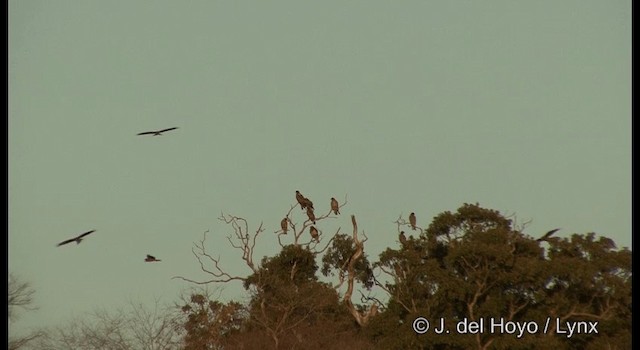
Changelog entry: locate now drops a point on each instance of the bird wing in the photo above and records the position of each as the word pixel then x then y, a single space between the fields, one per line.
pixel 147 133
pixel 66 242
pixel 169 129
pixel 86 233
pixel 151 257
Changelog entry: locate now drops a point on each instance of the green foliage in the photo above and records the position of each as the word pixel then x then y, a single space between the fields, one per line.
pixel 338 257
pixel 472 265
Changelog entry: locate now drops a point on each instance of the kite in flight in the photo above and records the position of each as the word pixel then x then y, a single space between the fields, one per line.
pixel 547 235
pixel 334 206
pixel 156 133
pixel 412 220
pixel 76 239
pixel 151 258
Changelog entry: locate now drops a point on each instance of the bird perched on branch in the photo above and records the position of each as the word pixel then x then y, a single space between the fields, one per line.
pixel 314 233
pixel 284 224
pixel 301 200
pixel 156 133
pixel 412 220
pixel 77 239
pixel 311 215
pixel 308 203
pixel 403 238
pixel 335 206
pixel 547 235
pixel 151 258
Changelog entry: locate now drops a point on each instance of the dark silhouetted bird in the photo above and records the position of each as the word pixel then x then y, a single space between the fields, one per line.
pixel 284 224
pixel 156 133
pixel 76 239
pixel 151 258
pixel 314 233
pixel 403 238
pixel 547 235
pixel 311 215
pixel 308 203
pixel 300 198
pixel 335 206
pixel 412 220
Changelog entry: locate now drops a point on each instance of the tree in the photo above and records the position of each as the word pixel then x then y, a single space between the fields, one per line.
pixel 287 300
pixel 471 265
pixel 474 265
pixel 20 296
pixel 134 327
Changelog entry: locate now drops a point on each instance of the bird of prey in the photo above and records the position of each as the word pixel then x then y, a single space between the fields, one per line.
pixel 76 239
pixel 547 235
pixel 156 133
pixel 308 203
pixel 403 238
pixel 412 220
pixel 311 215
pixel 300 198
pixel 314 233
pixel 151 258
pixel 335 206
pixel 284 224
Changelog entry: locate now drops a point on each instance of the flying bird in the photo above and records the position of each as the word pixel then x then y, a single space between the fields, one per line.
pixel 300 198
pixel 151 258
pixel 335 206
pixel 156 133
pixel 547 235
pixel 314 233
pixel 412 220
pixel 76 239
pixel 311 215
pixel 284 224
pixel 403 238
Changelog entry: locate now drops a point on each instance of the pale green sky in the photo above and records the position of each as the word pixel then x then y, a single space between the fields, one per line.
pixel 522 106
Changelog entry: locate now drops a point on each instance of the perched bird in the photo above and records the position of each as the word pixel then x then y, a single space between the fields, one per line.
pixel 311 215
pixel 156 133
pixel 314 233
pixel 547 235
pixel 76 239
pixel 412 220
pixel 403 238
pixel 335 206
pixel 300 198
pixel 151 258
pixel 308 203
pixel 284 224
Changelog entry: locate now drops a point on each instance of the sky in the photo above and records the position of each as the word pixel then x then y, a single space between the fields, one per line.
pixel 414 106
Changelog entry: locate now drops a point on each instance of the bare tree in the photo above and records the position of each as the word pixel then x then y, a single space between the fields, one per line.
pixel 20 295
pixel 136 327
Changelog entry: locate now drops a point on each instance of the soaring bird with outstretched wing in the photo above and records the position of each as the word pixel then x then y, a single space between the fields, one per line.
pixel 547 235
pixel 151 258
pixel 156 133
pixel 77 239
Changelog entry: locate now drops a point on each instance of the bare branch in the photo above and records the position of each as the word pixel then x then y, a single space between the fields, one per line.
pixel 219 275
pixel 362 318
